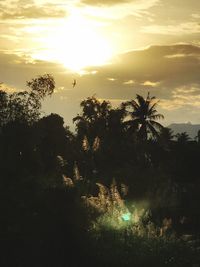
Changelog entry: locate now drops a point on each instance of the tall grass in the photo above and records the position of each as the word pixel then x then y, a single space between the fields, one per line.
pixel 122 234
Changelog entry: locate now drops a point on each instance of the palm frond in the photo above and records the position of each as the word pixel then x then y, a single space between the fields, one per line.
pixel 141 100
pixel 153 130
pixel 154 111
pixel 152 108
pixel 132 104
pixel 143 130
pixel 156 117
pixel 156 124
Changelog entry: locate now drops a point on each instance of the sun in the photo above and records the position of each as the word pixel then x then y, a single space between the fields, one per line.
pixel 77 44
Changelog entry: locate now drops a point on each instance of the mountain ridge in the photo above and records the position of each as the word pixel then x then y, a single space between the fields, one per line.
pixel 189 128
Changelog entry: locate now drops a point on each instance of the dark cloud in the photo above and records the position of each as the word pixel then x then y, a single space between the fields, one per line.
pixel 28 10
pixel 171 73
pixel 174 65
pixel 16 70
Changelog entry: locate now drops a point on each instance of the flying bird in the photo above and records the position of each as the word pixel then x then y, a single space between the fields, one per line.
pixel 74 83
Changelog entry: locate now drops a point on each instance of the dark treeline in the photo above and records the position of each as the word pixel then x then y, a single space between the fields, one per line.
pixel 42 219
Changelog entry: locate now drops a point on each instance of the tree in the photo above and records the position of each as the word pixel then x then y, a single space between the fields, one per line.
pixel 100 124
pixel 143 116
pixel 182 138
pixel 19 113
pixel 42 86
pixel 198 137
pixel 92 121
pixel 166 136
pixel 51 140
pixel 3 105
pixel 90 126
pixel 25 106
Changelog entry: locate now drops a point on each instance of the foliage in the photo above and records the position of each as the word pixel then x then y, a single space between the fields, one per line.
pixel 182 138
pixel 143 116
pixel 25 105
pixel 58 194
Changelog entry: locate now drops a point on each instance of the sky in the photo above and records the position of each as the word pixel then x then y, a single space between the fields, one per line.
pixel 114 49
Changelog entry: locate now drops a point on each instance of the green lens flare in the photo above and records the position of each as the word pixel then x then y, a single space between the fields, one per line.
pixel 126 216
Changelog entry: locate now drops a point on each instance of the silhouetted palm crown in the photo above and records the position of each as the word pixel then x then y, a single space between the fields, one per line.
pixel 143 115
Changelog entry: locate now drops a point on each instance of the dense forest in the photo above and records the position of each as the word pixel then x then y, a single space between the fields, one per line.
pixel 121 190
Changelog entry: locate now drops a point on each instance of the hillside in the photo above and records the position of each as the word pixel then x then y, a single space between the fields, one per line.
pixel 191 129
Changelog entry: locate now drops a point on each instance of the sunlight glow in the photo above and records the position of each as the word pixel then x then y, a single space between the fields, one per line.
pixel 76 43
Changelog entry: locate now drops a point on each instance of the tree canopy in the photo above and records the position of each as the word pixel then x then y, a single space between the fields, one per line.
pixel 143 116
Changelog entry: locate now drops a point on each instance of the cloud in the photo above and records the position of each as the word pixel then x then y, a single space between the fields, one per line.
pixel 16 69
pixel 155 66
pixel 29 10
pixel 116 9
pixel 183 97
pixel 159 69
pixel 173 79
pixel 189 96
pixel 185 28
pixel 151 84
pixel 111 79
pixel 143 4
pixel 105 2
pixel 129 82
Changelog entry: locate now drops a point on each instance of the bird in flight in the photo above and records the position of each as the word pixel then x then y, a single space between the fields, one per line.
pixel 74 83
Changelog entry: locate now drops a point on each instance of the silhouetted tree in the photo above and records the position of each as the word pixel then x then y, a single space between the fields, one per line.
pixel 51 140
pixel 25 105
pixel 165 137
pixel 4 107
pixel 182 138
pixel 99 120
pixel 144 116
pixel 92 121
pixel 198 137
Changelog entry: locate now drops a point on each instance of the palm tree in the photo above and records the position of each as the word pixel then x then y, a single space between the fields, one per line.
pixel 143 116
pixel 182 138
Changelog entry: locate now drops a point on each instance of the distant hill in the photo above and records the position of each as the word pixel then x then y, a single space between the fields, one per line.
pixel 190 129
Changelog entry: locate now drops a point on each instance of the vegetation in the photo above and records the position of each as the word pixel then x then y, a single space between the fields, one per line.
pixel 143 116
pixel 120 191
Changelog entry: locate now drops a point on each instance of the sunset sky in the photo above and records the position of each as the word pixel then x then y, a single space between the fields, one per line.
pixel 114 49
